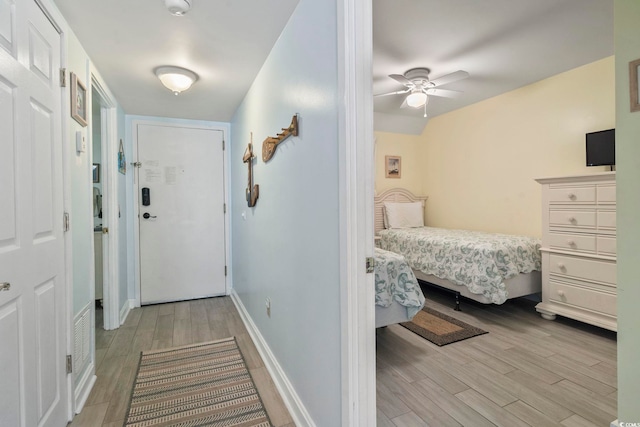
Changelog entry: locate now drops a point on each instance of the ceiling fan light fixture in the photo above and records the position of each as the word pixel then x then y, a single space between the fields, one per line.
pixel 417 99
pixel 176 79
pixel 178 7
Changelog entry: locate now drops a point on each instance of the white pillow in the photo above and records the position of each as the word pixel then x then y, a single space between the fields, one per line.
pixel 404 215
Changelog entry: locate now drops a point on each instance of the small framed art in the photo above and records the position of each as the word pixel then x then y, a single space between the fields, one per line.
pixel 78 100
pixel 392 166
pixel 634 85
pixel 96 172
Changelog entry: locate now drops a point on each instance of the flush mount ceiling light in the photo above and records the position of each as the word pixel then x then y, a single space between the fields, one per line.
pixel 176 79
pixel 178 7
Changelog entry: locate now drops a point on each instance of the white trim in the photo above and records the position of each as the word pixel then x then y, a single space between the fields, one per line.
pixel 356 183
pixel 109 154
pixel 135 209
pixel 126 308
pixel 83 390
pixel 298 412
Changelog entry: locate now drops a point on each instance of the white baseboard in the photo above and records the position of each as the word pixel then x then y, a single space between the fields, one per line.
pixel 84 388
pixel 298 412
pixel 126 308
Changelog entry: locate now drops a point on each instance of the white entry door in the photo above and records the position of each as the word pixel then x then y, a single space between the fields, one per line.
pixel 33 390
pixel 181 213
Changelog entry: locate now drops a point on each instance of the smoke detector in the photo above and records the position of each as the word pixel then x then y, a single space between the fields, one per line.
pixel 178 7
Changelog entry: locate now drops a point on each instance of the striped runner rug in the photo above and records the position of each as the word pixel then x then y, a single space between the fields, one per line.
pixel 205 384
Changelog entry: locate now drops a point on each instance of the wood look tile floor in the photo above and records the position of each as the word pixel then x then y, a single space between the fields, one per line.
pixel 526 371
pixel 164 326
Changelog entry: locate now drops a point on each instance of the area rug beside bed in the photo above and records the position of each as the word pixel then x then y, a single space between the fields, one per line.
pixel 439 328
pixel 202 384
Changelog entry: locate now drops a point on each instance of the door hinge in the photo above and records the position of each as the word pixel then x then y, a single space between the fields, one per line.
pixel 224 209
pixel 65 222
pixel 223 145
pixel 63 77
pixel 69 364
pixel 225 270
pixel 371 264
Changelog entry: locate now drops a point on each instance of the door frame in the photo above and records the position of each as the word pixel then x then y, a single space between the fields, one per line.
pixel 109 178
pixel 356 157
pixel 135 215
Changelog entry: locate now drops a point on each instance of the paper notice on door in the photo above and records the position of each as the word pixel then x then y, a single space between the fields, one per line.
pixel 152 174
pixel 170 175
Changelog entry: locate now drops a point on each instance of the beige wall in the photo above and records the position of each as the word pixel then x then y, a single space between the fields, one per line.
pixel 478 164
pixel 408 148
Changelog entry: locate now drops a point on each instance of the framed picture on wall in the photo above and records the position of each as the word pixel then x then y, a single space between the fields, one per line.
pixel 634 85
pixel 78 100
pixel 96 172
pixel 392 166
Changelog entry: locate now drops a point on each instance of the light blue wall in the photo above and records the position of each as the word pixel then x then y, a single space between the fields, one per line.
pixel 287 249
pixel 81 187
pixel 627 48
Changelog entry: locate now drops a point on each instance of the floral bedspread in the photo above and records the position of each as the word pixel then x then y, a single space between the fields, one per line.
pixel 396 281
pixel 480 261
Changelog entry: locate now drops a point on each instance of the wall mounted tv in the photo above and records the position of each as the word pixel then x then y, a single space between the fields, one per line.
pixel 601 148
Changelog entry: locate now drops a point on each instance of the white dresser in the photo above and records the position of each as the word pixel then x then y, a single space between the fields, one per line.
pixel 579 248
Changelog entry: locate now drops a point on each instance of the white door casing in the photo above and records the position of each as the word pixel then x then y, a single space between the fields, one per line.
pixel 33 318
pixel 182 251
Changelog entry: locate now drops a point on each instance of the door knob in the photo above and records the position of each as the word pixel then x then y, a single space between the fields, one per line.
pixel 147 215
pixel 105 230
pixel 5 286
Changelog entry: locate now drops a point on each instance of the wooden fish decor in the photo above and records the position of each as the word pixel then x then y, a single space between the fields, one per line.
pixel 253 191
pixel 270 144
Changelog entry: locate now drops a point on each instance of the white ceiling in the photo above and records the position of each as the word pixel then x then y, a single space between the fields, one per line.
pixel 225 42
pixel 503 44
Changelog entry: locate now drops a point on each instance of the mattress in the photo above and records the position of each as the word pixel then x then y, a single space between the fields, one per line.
pixel 480 261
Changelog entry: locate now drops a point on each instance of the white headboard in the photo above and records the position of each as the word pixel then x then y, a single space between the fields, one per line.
pixel 395 195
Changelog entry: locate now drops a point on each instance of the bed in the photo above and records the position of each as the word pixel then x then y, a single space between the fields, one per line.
pixel 398 294
pixel 486 267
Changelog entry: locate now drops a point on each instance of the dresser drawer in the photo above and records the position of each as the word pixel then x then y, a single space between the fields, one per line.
pixel 573 242
pixel 606 246
pixel 607 220
pixel 586 194
pixel 606 193
pixel 591 299
pixel 576 218
pixel 583 268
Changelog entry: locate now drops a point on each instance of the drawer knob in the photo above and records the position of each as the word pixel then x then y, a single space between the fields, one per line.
pixel 571 196
pixel 561 293
pixel 571 243
pixel 561 266
pixel 572 219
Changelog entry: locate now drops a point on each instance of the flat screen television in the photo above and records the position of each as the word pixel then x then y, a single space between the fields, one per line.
pixel 601 148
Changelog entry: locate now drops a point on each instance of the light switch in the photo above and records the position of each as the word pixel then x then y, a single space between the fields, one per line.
pixel 81 144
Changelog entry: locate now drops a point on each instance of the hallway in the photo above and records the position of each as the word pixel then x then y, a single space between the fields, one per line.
pixel 164 326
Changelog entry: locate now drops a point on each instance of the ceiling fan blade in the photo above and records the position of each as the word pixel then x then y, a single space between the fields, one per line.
pixel 401 79
pixel 393 93
pixel 445 93
pixel 450 78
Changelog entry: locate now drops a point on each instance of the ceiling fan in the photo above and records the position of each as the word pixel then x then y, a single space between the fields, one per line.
pixel 418 86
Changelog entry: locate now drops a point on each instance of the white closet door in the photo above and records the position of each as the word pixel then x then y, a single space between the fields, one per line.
pixel 32 276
